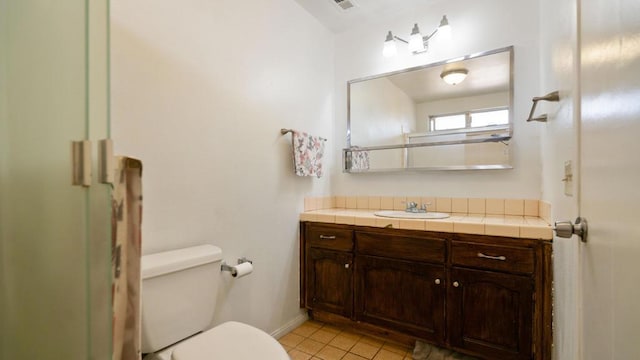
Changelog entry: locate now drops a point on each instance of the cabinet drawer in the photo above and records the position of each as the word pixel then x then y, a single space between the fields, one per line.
pixel 401 247
pixel 505 258
pixel 328 237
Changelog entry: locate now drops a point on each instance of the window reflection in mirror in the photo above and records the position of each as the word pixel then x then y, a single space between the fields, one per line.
pixel 412 119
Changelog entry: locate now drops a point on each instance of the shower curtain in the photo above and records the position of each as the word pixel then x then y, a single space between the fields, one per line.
pixel 126 208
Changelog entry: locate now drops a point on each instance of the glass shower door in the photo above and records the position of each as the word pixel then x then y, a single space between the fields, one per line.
pixel 54 237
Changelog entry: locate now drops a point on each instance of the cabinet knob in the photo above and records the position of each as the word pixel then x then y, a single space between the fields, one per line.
pixel 437 281
pixel 456 284
pixel 346 266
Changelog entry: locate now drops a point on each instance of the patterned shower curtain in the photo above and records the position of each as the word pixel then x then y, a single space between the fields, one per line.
pixel 126 207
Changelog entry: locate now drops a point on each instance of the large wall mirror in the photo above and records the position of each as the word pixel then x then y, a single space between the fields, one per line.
pixel 413 120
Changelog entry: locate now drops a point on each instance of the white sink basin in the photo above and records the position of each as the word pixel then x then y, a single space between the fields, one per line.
pixel 409 215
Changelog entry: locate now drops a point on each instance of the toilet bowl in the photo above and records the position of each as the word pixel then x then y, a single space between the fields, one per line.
pixel 179 290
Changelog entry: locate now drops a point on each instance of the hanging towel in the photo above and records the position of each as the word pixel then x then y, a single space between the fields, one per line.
pixel 359 159
pixel 126 205
pixel 308 151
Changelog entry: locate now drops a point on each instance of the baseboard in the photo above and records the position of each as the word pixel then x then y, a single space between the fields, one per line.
pixel 288 327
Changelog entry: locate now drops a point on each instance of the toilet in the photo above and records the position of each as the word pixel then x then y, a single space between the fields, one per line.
pixel 179 290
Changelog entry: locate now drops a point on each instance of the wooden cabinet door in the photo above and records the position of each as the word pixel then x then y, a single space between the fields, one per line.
pixel 490 313
pixel 401 295
pixel 330 281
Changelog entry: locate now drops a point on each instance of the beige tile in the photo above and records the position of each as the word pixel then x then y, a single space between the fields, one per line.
pixel 291 339
pixel 332 328
pixel 344 341
pixel 327 218
pixel 391 223
pixel 307 217
pixel 328 202
pixel 412 224
pixel 460 205
pixel 345 219
pixel 330 353
pixel 468 228
pixel 536 232
pixel 514 207
pixel 429 201
pixel 310 346
pixel 374 203
pixel 323 336
pixel 502 230
pixel 296 354
pixel 319 203
pixel 399 203
pixel 495 207
pixel 443 205
pixel 396 348
pixel 544 211
pixel 351 356
pixel 365 350
pixel 386 203
pixel 287 348
pixel 341 202
pixel 362 202
pixel 352 202
pixel 387 355
pixel 536 221
pixel 531 208
pixel 372 341
pixel 309 203
pixel 306 329
pixel 477 206
pixel 365 220
pixel 439 225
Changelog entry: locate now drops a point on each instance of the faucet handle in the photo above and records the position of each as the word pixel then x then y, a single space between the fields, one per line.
pixel 424 206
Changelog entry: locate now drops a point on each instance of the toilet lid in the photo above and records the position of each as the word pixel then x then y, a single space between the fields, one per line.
pixel 231 340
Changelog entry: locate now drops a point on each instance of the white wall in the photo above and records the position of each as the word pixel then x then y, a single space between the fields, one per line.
pixel 477 26
pixel 200 90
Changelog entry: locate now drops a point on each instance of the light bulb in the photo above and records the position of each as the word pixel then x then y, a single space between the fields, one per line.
pixel 444 30
pixel 416 44
pixel 389 49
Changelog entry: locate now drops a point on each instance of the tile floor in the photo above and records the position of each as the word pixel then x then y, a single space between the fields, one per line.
pixel 315 340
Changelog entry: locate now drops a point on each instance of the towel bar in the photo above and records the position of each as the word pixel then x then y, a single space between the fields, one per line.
pixel 284 131
pixel 552 96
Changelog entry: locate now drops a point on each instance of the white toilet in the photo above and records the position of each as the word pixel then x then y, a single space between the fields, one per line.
pixel 178 300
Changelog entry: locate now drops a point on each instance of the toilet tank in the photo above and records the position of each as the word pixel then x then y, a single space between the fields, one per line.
pixel 178 294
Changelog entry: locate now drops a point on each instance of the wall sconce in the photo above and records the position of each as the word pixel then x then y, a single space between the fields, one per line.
pixel 417 43
pixel 453 77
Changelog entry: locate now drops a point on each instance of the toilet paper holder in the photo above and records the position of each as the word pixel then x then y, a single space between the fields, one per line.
pixel 231 269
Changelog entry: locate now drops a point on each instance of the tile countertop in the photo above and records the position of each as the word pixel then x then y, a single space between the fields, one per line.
pixel 481 224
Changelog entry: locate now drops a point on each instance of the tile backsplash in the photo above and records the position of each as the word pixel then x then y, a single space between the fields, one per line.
pixel 480 206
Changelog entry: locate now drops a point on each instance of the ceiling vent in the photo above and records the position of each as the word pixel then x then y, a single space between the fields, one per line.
pixel 345 4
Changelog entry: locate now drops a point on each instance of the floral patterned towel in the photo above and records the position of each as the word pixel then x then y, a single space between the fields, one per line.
pixel 359 159
pixel 308 151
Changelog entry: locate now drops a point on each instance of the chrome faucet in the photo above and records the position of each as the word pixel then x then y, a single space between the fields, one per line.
pixel 412 207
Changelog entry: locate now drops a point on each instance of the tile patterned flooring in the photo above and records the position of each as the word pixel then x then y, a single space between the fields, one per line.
pixel 317 341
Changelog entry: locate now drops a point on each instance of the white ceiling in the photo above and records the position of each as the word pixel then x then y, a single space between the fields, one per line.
pixel 365 11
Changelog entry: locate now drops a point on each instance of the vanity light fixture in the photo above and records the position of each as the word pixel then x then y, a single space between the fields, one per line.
pixel 417 43
pixel 453 77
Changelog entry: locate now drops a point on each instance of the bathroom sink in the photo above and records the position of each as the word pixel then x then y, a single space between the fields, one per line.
pixel 410 215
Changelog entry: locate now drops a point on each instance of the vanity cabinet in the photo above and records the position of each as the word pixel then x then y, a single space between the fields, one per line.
pixel 329 269
pixel 485 296
pixel 400 283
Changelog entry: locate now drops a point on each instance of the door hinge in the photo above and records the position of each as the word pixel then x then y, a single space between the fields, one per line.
pixel 105 161
pixel 81 163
